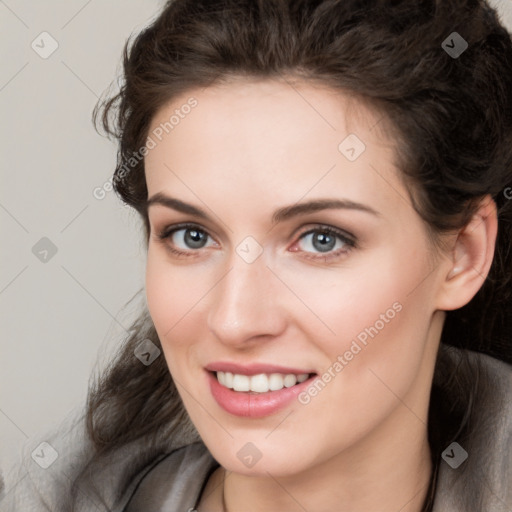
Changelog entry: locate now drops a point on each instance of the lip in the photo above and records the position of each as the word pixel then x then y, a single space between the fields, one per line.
pixel 255 405
pixel 254 368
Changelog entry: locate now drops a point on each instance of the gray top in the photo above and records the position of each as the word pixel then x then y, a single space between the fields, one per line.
pixel 176 482
pixel 173 481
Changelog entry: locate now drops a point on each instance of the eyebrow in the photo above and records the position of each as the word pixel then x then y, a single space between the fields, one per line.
pixel 280 215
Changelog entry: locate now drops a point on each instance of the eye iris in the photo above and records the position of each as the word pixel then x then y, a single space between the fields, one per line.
pixel 324 242
pixel 194 238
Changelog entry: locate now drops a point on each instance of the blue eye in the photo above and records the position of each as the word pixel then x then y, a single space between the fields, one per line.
pixel 191 236
pixel 322 242
pixel 327 242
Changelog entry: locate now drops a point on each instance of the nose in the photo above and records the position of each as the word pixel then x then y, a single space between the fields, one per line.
pixel 245 305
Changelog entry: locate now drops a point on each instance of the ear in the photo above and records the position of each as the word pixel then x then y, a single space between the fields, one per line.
pixel 470 258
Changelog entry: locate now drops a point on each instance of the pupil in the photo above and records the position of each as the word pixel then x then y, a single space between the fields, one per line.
pixel 326 242
pixel 194 238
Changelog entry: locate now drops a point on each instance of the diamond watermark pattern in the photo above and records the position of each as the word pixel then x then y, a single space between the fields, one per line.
pixel 44 250
pixel 249 249
pixel 454 45
pixel 44 45
pixel 454 455
pixel 352 147
pixel 146 352
pixel 45 455
pixel 249 454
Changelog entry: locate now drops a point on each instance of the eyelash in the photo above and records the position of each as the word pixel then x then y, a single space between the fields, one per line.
pixel 348 240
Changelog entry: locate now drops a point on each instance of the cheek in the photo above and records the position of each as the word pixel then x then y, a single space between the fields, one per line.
pixel 366 293
pixel 159 294
pixel 174 297
pixel 378 316
pixel 165 298
pixel 171 290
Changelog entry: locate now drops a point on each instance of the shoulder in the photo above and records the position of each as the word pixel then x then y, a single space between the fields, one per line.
pixel 500 369
pixel 43 477
pixel 484 474
pixel 175 482
pixel 40 476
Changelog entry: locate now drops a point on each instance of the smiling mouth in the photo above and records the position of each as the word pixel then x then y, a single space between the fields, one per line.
pixel 260 383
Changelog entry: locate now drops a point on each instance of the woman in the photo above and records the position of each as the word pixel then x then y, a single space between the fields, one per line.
pixel 325 188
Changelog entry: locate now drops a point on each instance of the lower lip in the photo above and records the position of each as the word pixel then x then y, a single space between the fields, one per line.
pixel 254 405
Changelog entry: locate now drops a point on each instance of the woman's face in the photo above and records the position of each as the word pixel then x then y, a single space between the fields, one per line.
pixel 327 311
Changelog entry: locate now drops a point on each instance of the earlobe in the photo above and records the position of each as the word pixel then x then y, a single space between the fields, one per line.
pixel 471 257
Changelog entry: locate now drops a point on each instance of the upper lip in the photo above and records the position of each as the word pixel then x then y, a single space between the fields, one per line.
pixel 253 368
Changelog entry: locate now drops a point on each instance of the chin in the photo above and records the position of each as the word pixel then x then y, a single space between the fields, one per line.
pixel 260 458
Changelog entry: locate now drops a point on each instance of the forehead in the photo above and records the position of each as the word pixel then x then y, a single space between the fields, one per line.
pixel 278 140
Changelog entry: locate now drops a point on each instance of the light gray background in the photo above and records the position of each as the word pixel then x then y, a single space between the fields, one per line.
pixel 58 317
pixel 55 315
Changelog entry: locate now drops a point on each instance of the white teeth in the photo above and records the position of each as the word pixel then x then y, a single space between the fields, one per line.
pixel 275 382
pixel 290 380
pixel 228 380
pixel 241 383
pixel 221 377
pixel 260 383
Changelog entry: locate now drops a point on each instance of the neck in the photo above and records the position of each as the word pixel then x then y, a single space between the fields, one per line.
pixel 394 478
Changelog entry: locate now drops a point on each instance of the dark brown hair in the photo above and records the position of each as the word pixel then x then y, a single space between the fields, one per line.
pixel 452 120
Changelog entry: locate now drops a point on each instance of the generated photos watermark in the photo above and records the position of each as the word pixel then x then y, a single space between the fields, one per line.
pixel 358 344
pixel 156 136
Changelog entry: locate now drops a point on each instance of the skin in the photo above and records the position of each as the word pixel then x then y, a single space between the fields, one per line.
pixel 248 148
